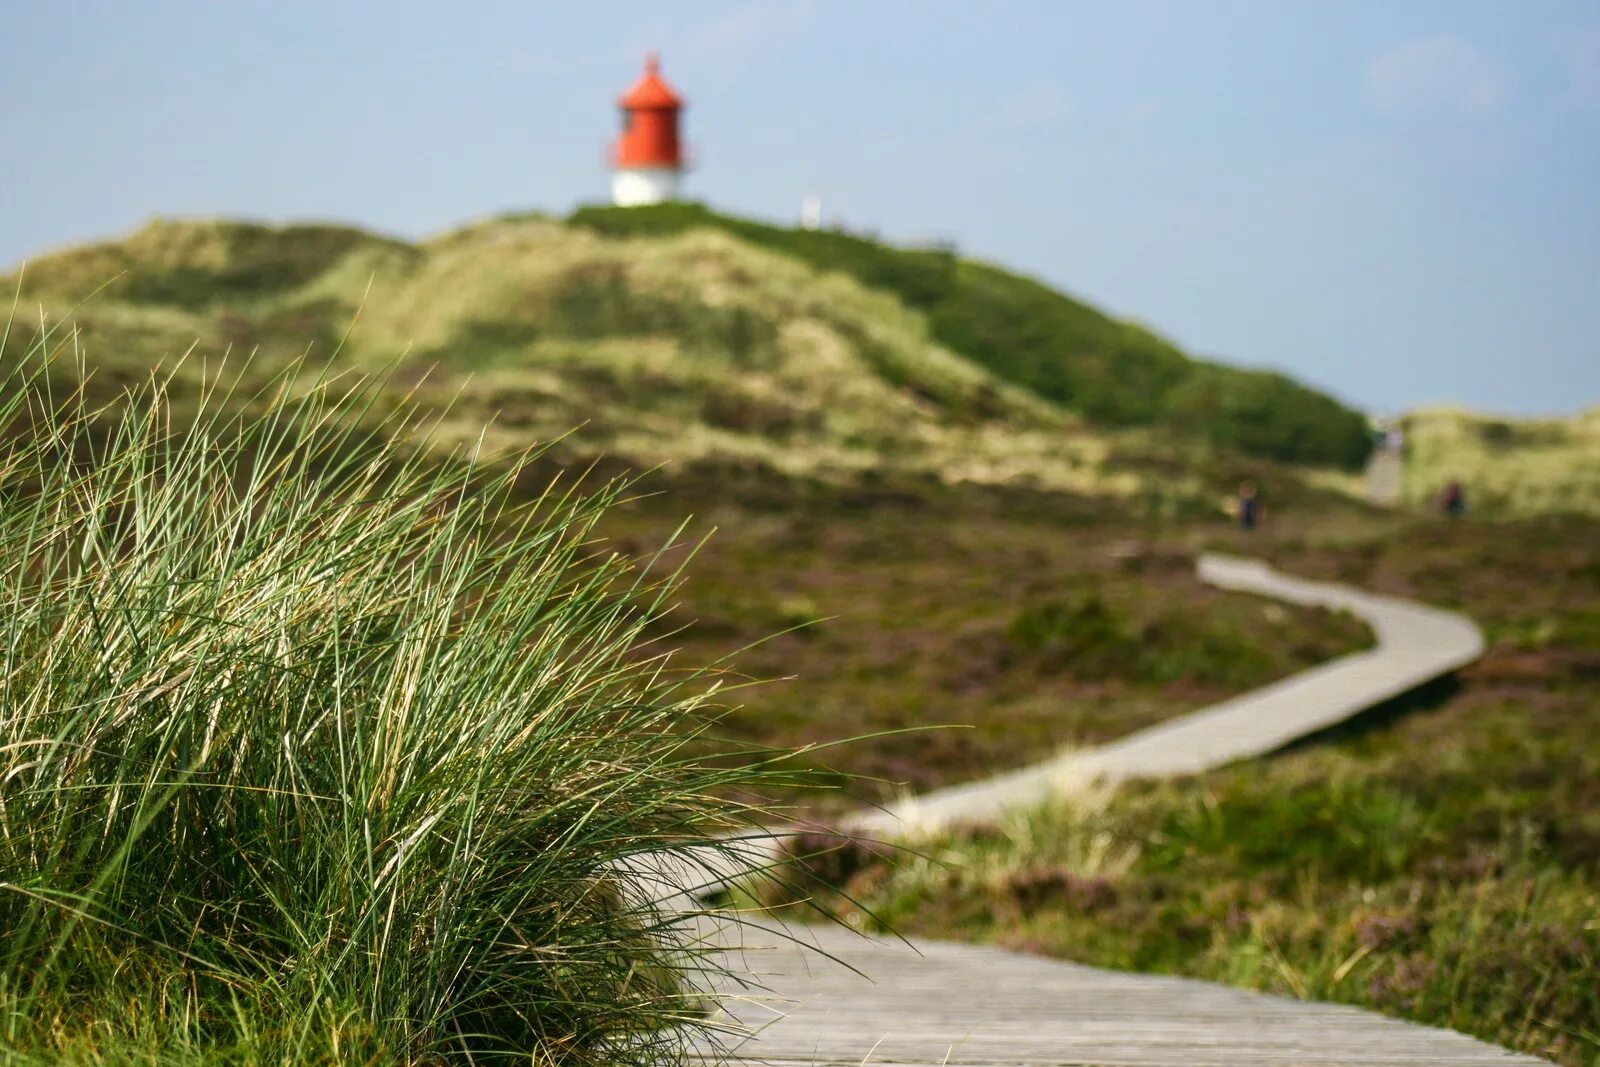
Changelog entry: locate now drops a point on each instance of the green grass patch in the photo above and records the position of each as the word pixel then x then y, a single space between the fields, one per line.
pixel 1082 632
pixel 317 746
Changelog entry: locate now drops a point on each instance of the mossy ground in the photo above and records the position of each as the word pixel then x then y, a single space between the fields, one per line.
pixel 960 632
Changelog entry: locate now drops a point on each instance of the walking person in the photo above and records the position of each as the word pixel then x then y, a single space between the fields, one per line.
pixel 1249 506
pixel 1453 500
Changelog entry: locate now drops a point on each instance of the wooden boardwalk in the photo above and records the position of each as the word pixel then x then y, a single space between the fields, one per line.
pixel 828 996
pixel 930 1003
pixel 1385 477
pixel 1415 644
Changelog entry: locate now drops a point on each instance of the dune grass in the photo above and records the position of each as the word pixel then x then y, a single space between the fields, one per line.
pixel 1506 466
pixel 1113 372
pixel 315 747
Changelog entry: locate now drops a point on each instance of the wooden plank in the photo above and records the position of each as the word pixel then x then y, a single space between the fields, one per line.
pixel 931 1002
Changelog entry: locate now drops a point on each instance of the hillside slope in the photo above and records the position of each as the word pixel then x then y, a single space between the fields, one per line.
pixel 811 353
pixel 1113 372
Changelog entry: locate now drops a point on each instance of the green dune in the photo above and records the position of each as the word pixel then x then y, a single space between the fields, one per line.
pixel 1505 466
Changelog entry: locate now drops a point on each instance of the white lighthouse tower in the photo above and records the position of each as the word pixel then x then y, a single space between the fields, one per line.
pixel 647 159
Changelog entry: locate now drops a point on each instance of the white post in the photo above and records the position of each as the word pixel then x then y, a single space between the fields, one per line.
pixel 810 212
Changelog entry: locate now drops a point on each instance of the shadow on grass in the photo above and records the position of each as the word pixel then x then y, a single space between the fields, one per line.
pixel 1424 697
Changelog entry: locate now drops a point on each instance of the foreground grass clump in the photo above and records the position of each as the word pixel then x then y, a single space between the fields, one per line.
pixel 316 749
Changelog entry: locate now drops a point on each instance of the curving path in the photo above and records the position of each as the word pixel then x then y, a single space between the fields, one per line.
pixel 1415 645
pixel 925 1003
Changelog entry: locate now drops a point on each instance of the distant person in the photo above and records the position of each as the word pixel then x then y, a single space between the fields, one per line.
pixel 1249 506
pixel 1453 500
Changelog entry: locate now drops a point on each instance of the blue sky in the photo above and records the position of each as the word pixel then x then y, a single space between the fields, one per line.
pixel 1397 200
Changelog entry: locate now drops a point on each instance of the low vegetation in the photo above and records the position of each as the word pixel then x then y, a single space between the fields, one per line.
pixel 1505 466
pixel 316 747
pixel 1438 861
pixel 960 632
pixel 1111 372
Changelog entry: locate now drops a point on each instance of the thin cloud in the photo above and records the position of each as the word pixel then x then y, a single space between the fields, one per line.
pixel 1438 72
pixel 1043 103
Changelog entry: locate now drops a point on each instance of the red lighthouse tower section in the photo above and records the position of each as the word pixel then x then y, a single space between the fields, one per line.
pixel 647 160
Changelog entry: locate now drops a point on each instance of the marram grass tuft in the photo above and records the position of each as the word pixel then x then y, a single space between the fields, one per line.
pixel 315 747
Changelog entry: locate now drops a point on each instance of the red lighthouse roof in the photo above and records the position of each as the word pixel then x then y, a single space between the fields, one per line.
pixel 650 91
pixel 649 124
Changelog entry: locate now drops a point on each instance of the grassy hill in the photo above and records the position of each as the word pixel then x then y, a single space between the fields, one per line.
pixel 1113 372
pixel 1506 466
pixel 676 335
pixel 699 347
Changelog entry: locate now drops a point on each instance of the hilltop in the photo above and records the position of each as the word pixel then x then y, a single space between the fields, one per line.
pixel 676 335
pixel 698 347
pixel 1113 372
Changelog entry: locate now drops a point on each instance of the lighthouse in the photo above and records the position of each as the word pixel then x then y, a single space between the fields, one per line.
pixel 648 158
